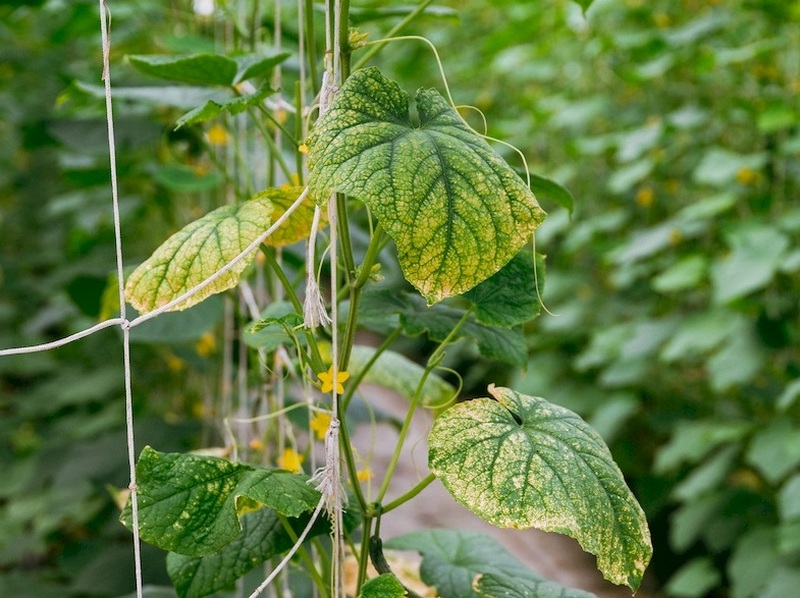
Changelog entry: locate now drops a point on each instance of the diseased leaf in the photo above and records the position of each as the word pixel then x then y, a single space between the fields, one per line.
pixel 263 536
pixel 509 298
pixel 298 226
pixel 206 69
pixel 196 252
pixel 452 560
pixel 496 586
pixel 191 504
pixel 519 462
pixel 400 374
pixel 456 211
pixel 212 108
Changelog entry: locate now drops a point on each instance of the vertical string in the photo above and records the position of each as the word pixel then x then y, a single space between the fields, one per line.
pixel 105 23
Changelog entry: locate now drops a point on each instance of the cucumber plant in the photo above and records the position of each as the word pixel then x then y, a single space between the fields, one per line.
pixel 388 185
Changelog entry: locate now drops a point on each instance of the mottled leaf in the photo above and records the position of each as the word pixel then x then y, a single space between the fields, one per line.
pixel 400 374
pixel 501 586
pixel 195 253
pixel 452 560
pixel 191 504
pixel 509 298
pixel 519 462
pixel 298 226
pixel 263 536
pixel 456 211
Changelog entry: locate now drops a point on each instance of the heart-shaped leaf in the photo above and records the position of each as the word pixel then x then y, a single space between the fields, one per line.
pixel 195 253
pixel 456 211
pixel 519 462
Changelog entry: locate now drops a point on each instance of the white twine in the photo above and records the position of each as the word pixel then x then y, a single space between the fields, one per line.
pixel 126 338
pixel 314 312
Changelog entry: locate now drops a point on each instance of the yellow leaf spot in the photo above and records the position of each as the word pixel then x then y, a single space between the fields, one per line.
pixel 330 378
pixel 746 176
pixel 645 197
pixel 217 135
pixel 291 460
pixel 364 474
pixel 320 424
pixel 206 345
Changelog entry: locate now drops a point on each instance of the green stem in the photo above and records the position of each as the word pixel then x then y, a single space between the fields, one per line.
pixel 316 358
pixel 344 38
pixel 298 130
pixel 404 498
pixel 274 149
pixel 350 460
pixel 311 47
pixel 433 362
pixel 363 561
pixel 392 32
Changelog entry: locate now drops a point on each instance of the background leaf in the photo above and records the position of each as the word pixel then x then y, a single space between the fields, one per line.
pixel 207 69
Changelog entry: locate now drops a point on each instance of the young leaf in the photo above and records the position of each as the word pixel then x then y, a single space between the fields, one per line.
pixel 453 559
pixel 519 461
pixel 206 69
pixel 392 370
pixel 509 298
pixel 549 189
pixel 191 504
pixel 456 211
pixel 212 108
pixel 383 586
pixel 196 252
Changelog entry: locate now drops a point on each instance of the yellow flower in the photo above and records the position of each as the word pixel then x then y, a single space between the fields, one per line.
pixel 217 135
pixel 320 424
pixel 364 474
pixel 291 460
pixel 328 379
pixel 303 148
pixel 645 197
pixel 256 445
pixel 206 345
pixel 175 363
pixel 746 176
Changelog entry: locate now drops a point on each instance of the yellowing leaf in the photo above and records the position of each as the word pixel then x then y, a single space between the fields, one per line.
pixel 456 211
pixel 298 226
pixel 195 253
pixel 518 461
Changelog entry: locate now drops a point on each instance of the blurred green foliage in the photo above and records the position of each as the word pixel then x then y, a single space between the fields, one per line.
pixel 675 282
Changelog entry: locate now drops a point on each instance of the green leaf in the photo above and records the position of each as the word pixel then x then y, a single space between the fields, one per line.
pixel 270 332
pixel 693 440
pixel 206 69
pixel 789 499
pixel 753 562
pixel 494 586
pixel 452 559
pixel 196 252
pixel 263 536
pixel 191 504
pixel 775 450
pixel 398 373
pixel 178 96
pixel 185 179
pixel 178 327
pixel 519 461
pixel 456 211
pixel 584 4
pixel 437 321
pixel 756 254
pixel 549 189
pixel 719 166
pixel 509 298
pixel 695 579
pixel 253 65
pixel 383 586
pixel 686 273
pixel 212 109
